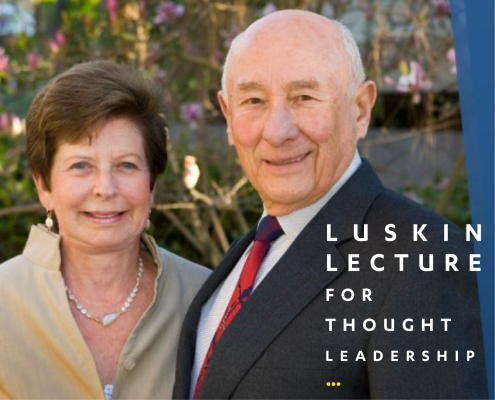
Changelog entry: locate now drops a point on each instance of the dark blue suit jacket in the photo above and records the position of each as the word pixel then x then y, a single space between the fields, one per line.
pixel 277 345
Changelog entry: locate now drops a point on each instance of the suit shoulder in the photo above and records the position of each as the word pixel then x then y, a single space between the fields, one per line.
pixel 393 206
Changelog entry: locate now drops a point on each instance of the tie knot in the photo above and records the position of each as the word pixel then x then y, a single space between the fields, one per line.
pixel 268 230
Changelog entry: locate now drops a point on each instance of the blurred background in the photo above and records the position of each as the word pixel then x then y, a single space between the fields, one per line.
pixel 203 201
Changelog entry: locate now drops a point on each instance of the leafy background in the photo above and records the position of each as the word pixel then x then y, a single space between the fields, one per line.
pixel 407 49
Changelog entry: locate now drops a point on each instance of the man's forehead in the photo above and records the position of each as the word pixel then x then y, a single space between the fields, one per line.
pixel 302 71
pixel 288 22
pixel 285 51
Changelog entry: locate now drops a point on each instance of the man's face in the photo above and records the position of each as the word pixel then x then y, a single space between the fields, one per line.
pixel 291 116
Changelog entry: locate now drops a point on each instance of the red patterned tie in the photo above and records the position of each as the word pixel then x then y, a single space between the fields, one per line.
pixel 268 230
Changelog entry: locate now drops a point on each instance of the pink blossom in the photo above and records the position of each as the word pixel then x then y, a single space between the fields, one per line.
pixel 4 60
pixel 418 84
pixel 442 6
pixel 191 112
pixel 112 7
pixel 4 122
pixel 57 42
pixel 411 80
pixel 269 8
pixel 166 11
pixel 33 58
pixel 60 38
pixel 451 59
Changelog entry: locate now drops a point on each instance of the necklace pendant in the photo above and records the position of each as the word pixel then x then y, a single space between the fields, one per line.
pixel 107 319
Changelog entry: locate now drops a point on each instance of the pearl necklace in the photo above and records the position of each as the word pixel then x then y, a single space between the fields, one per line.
pixel 107 319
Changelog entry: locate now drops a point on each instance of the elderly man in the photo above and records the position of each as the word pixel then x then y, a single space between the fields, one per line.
pixel 275 320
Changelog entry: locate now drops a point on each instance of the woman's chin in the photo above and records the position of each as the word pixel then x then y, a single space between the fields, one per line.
pixel 105 238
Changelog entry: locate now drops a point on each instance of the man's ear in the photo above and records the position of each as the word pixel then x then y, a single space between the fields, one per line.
pixel 222 99
pixel 44 194
pixel 364 99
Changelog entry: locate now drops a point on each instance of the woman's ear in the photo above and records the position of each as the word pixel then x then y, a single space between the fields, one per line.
pixel 152 197
pixel 44 193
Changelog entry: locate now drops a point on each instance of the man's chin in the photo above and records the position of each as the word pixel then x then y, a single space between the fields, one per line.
pixel 284 201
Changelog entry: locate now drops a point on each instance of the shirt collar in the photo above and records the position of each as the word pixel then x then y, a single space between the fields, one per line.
pixel 294 222
pixel 43 248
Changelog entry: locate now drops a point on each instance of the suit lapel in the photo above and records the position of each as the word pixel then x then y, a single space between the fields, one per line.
pixel 187 343
pixel 285 291
pixel 298 277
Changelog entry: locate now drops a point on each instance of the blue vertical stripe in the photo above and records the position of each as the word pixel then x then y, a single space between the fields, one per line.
pixel 473 23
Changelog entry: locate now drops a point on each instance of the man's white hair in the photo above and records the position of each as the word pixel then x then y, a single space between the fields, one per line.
pixel 350 46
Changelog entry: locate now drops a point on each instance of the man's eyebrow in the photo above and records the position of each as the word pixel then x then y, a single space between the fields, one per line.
pixel 293 85
pixel 247 86
pixel 302 84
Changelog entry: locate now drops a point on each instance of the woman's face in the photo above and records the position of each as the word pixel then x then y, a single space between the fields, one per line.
pixel 100 191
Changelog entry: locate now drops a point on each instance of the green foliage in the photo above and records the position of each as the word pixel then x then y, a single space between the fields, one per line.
pixel 457 209
pixel 17 189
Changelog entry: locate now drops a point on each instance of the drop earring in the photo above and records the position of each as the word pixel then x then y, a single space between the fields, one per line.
pixel 49 220
pixel 148 222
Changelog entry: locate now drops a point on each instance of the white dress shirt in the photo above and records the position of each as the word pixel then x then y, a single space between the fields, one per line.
pixel 292 225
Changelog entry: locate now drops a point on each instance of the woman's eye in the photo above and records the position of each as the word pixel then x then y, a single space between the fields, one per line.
pixel 128 165
pixel 79 165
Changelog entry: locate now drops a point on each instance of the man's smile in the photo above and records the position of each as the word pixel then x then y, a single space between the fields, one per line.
pixel 287 160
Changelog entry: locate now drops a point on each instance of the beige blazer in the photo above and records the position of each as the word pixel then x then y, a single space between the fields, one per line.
pixel 42 352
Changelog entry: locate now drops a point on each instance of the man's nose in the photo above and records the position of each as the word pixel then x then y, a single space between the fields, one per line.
pixel 105 184
pixel 279 125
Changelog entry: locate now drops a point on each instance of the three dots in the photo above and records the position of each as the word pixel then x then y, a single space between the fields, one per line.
pixel 333 384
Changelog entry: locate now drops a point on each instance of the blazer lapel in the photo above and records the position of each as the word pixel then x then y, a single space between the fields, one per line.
pixel 298 277
pixel 187 342
pixel 285 291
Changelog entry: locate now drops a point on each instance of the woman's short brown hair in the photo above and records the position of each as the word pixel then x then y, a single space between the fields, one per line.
pixel 75 104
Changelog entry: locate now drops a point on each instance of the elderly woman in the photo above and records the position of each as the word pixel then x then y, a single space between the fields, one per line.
pixel 93 307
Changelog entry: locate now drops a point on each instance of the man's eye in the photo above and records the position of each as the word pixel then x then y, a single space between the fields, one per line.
pixel 253 100
pixel 79 165
pixel 303 97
